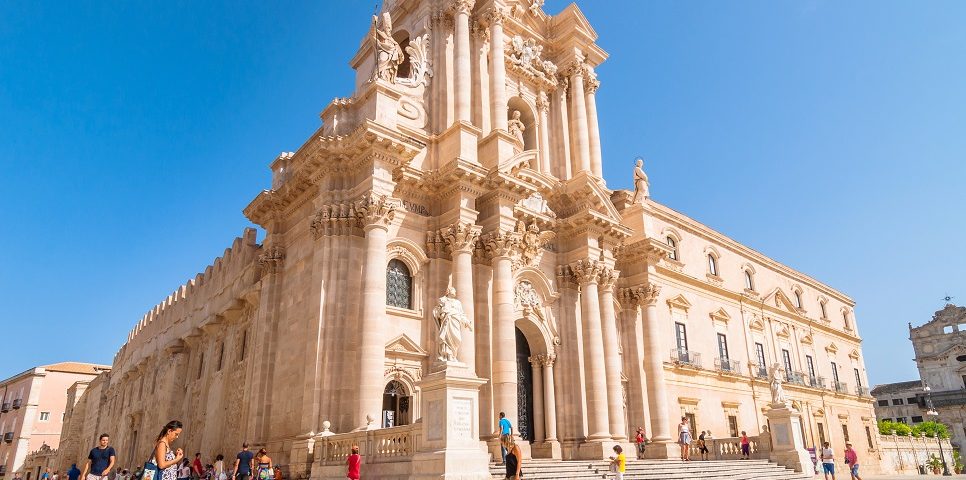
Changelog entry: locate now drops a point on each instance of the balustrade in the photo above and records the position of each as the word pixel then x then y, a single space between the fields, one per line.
pixel 385 445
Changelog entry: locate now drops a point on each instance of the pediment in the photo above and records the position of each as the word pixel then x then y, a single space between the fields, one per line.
pixel 679 302
pixel 832 348
pixel 720 315
pixel 582 201
pixel 854 354
pixel 807 339
pixel 403 346
pixel 757 324
pixel 779 299
pixel 783 331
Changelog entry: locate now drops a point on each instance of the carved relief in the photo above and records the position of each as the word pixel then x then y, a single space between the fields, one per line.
pixel 525 57
pixel 347 218
pixel 389 54
pixel 271 261
pixel 532 241
pixel 587 271
pixel 461 236
pixel 422 69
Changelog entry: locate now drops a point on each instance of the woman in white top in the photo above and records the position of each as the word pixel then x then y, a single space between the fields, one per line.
pixel 220 468
pixel 684 439
pixel 166 459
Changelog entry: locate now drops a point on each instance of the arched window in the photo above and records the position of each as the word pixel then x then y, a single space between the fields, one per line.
pixel 712 265
pixel 845 319
pixel 798 299
pixel 824 312
pixel 673 255
pixel 749 281
pixel 399 285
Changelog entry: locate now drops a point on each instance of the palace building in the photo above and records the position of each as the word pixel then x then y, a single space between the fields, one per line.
pixel 469 156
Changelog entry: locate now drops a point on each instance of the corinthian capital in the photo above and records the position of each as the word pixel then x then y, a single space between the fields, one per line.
pixel 461 237
pixel 643 295
pixel 495 16
pixel 608 277
pixel 461 6
pixel 501 244
pixel 587 271
pixel 377 210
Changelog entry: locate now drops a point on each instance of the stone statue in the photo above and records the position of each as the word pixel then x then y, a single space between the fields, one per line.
pixel 450 319
pixel 640 183
pixel 388 53
pixel 777 391
pixel 516 127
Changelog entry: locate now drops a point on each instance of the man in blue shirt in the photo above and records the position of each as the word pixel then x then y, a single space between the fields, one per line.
pixel 100 461
pixel 505 431
pixel 244 462
pixel 74 472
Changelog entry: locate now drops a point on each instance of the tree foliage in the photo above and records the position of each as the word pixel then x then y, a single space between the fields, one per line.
pixel 931 429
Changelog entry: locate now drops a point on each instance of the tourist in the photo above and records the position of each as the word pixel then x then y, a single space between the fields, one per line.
pixel 684 439
pixel 220 468
pixel 513 459
pixel 828 461
pixel 166 459
pixel 353 464
pixel 702 446
pixel 278 473
pixel 640 440
pixel 506 430
pixel 56 475
pixel 618 463
pixel 244 464
pixel 100 461
pixel 852 460
pixel 46 474
pixel 124 474
pixel 196 468
pixel 184 470
pixel 73 473
pixel 264 471
pixel 745 446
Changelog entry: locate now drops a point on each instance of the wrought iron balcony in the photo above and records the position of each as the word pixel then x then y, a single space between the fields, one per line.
pixel 727 365
pixel 5 407
pixel 17 403
pixel 795 378
pixel 862 391
pixel 8 437
pixel 815 381
pixel 840 387
pixel 759 371
pixel 686 357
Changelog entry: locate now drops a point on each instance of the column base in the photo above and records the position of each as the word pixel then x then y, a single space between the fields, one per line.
pixel 454 464
pixel 662 451
pixel 601 449
pixel 301 457
pixel 549 449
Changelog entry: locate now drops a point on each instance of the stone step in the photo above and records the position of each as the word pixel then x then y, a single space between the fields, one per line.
pixel 655 470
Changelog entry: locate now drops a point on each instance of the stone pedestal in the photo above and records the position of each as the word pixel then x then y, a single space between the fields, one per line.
pixel 602 449
pixel 450 447
pixel 661 450
pixel 787 448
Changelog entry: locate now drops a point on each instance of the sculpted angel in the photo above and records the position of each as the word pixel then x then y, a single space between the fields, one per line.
pixel 777 390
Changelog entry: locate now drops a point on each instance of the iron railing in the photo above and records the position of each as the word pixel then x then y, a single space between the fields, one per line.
pixel 5 407
pixel 840 387
pixel 17 403
pixel 727 365
pixel 686 357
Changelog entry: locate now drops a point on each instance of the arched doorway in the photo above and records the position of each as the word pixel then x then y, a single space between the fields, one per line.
pixel 396 405
pixel 524 389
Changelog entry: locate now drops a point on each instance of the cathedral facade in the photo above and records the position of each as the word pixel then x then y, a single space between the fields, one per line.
pixel 469 157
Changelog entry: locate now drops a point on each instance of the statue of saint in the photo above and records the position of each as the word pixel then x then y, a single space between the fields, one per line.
pixel 640 183
pixel 777 391
pixel 515 126
pixel 388 53
pixel 450 319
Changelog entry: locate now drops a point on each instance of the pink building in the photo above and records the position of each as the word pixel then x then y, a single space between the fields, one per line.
pixel 32 405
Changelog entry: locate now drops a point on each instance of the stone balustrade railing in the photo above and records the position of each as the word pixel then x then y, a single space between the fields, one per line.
pixel 729 448
pixel 384 445
pixel 904 455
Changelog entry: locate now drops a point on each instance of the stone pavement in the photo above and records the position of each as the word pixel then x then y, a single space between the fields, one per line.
pixel 900 477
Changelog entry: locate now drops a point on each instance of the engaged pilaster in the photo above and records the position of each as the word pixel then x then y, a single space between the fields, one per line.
pixel 498 107
pixel 587 274
pixel 501 247
pixel 657 398
pixel 577 98
pixel 461 82
pixel 593 127
pixel 543 110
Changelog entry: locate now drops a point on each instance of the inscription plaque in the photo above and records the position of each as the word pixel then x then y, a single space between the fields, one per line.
pixel 462 419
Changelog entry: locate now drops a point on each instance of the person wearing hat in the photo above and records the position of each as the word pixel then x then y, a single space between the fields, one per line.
pixel 828 461
pixel 852 460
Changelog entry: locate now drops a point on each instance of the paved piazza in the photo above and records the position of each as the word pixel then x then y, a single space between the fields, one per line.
pixel 468 157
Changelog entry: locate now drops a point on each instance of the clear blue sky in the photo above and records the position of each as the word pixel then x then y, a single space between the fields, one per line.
pixel 827 135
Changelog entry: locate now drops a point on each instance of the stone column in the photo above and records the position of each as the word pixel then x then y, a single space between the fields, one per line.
pixel 378 212
pixel 461 239
pixel 612 359
pixel 593 127
pixel 461 52
pixel 543 108
pixel 580 128
pixel 563 130
pixel 501 246
pixel 498 107
pixel 536 363
pixel 587 273
pixel 549 399
pixel 634 360
pixel 654 370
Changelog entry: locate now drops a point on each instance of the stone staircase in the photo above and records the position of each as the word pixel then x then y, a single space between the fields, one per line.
pixel 655 470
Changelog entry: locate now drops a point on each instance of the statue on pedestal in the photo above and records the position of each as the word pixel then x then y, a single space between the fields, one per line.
pixel 516 127
pixel 450 320
pixel 389 54
pixel 640 183
pixel 777 390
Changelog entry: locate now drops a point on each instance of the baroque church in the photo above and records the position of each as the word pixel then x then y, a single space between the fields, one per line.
pixel 469 157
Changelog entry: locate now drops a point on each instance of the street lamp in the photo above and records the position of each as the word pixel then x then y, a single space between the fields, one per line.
pixel 931 412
